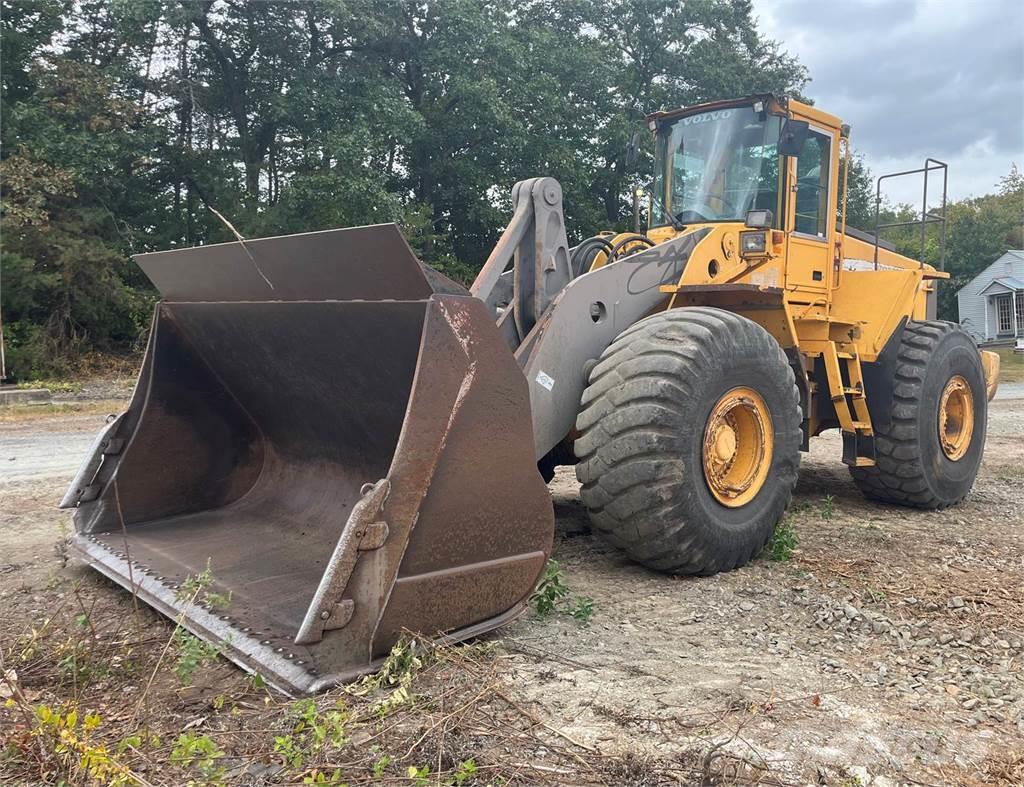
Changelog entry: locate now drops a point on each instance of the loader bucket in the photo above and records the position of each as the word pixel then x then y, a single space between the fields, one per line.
pixel 328 443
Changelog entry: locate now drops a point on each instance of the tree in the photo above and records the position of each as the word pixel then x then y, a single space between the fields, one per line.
pixel 127 124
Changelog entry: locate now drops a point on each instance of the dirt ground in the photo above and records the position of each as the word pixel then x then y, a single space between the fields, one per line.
pixel 889 648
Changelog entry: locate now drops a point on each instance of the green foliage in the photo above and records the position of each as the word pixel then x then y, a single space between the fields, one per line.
pixel 321 777
pixel 200 753
pixel 551 590
pixel 419 775
pixel 53 386
pixel 196 590
pixel 313 730
pixel 783 542
pixel 75 745
pixel 126 123
pixel 192 654
pixel 380 766
pixel 552 594
pixel 464 771
pixel 860 194
pixel 828 507
pixel 582 609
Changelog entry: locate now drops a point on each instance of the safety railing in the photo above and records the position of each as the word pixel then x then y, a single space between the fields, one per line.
pixel 927 217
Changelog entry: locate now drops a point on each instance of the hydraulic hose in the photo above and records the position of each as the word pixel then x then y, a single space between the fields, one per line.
pixel 584 254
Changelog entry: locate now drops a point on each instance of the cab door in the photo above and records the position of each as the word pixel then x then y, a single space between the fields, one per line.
pixel 811 212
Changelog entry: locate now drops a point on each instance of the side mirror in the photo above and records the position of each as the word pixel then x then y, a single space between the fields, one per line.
pixel 793 136
pixel 633 151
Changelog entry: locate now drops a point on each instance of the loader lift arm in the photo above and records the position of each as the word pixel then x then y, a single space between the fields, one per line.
pixel 556 324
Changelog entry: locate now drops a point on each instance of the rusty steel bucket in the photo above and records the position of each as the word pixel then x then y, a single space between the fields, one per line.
pixel 340 435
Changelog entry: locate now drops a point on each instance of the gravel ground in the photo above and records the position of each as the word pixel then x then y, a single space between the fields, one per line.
pixel 887 649
pixel 1010 391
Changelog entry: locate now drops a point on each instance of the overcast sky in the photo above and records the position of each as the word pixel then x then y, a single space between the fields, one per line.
pixel 915 78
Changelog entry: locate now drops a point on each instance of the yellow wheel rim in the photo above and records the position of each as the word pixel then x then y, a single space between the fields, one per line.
pixel 956 418
pixel 737 447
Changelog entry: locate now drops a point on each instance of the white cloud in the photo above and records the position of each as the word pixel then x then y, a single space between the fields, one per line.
pixel 915 78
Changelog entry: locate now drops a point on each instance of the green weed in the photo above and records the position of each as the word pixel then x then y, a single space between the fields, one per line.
pixel 192 653
pixel 551 590
pixel 380 766
pixel 75 744
pixel 313 730
pixel 782 543
pixel 196 589
pixel 319 777
pixel 465 771
pixel 199 752
pixel 583 609
pixel 552 594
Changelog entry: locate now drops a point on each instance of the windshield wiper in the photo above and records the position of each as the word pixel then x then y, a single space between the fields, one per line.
pixel 677 225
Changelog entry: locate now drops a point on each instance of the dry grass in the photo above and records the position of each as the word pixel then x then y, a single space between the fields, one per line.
pixel 93 700
pixel 38 412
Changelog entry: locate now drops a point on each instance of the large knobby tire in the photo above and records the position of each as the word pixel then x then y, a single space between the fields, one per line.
pixel 642 430
pixel 912 467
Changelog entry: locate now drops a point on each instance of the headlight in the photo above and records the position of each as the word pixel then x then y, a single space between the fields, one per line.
pixel 753 243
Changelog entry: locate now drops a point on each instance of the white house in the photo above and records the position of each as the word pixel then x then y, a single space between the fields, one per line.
pixel 992 303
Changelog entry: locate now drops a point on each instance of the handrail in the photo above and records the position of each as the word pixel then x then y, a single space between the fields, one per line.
pixel 927 217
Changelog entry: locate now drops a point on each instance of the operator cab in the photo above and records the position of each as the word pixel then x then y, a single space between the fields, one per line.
pixel 716 165
pixel 716 162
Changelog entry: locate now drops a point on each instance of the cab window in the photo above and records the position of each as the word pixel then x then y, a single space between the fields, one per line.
pixel 813 167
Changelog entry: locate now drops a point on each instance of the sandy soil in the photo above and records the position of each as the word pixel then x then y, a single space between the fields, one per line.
pixel 888 649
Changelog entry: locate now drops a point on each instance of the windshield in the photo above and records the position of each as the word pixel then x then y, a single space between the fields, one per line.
pixel 715 166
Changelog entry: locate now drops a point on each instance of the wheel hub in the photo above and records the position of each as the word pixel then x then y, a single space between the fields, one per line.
pixel 737 450
pixel 956 418
pixel 725 443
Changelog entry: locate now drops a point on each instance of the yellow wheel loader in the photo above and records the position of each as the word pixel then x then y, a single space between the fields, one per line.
pixel 345 444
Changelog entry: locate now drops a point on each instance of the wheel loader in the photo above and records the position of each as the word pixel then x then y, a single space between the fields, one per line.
pixel 345 444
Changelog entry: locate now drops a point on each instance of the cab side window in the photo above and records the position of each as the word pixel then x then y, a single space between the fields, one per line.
pixel 813 167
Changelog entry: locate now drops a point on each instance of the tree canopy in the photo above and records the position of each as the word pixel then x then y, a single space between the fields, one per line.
pixel 128 122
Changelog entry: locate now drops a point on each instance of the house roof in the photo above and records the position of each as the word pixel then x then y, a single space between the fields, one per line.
pixel 1007 282
pixel 1017 253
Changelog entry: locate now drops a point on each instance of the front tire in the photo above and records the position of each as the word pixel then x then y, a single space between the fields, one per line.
pixel 689 440
pixel 929 454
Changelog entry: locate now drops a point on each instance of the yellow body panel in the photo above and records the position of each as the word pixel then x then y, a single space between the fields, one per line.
pixel 828 296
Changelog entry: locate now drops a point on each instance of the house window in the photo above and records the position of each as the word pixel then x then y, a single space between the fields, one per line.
pixel 1020 310
pixel 1004 316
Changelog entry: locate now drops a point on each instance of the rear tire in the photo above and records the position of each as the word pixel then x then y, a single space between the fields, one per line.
pixel 912 466
pixel 644 426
